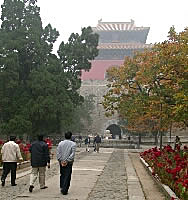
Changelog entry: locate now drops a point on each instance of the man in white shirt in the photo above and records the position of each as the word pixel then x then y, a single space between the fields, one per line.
pixel 65 155
pixel 10 155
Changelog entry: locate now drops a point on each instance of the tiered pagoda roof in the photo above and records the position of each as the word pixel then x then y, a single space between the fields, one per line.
pixel 124 35
pixel 118 26
pixel 117 40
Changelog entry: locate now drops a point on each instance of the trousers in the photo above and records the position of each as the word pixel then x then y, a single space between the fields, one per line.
pixel 7 168
pixel 65 177
pixel 35 172
pixel 97 147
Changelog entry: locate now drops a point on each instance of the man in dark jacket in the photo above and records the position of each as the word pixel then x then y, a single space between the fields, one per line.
pixel 40 158
pixel 87 143
pixel 97 141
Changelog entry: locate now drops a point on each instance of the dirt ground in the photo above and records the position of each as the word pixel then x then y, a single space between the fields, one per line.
pixel 150 188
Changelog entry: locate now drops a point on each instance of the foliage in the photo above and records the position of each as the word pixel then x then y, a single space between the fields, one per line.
pixel 39 91
pixel 81 118
pixel 150 89
pixel 171 167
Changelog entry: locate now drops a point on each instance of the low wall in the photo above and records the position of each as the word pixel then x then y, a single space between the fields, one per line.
pixel 134 144
pixel 164 188
pixel 19 166
pixel 113 143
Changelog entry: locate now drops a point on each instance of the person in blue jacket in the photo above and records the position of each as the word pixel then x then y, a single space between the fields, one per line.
pixel 65 155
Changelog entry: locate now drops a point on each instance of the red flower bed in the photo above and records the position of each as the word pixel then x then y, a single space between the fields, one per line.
pixel 24 148
pixel 49 143
pixel 170 167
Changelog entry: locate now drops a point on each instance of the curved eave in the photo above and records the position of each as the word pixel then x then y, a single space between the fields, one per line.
pixel 124 28
pixel 124 46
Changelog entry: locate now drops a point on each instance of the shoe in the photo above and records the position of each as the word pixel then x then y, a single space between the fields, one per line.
pixel 64 193
pixel 14 184
pixel 31 188
pixel 3 183
pixel 44 187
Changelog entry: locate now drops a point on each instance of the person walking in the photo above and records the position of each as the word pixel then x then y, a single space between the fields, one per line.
pixel 10 155
pixel 65 155
pixel 177 143
pixel 97 142
pixel 80 140
pixel 87 142
pixel 40 158
pixel 94 143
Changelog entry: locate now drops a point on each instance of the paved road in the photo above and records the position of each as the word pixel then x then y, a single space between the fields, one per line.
pixel 107 175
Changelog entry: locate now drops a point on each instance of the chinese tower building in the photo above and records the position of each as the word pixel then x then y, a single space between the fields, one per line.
pixel 116 41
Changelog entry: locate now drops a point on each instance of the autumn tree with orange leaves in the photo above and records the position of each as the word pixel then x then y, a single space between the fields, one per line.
pixel 150 90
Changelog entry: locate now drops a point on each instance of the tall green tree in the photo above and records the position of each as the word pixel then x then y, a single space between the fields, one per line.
pixel 25 48
pixel 75 56
pixel 81 117
pixel 38 90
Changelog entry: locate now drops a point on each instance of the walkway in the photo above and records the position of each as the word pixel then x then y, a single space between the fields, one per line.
pixel 105 175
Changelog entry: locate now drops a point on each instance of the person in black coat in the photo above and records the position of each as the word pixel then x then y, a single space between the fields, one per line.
pixel 40 158
pixel 97 142
pixel 87 143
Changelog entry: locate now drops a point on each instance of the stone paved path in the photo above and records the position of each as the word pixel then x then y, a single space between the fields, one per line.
pixel 112 184
pixel 9 193
pixel 110 174
pixel 150 188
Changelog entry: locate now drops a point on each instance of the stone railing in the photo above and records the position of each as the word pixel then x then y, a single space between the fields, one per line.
pixel 164 188
pixel 113 143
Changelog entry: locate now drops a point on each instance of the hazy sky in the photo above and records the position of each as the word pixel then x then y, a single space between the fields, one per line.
pixel 69 16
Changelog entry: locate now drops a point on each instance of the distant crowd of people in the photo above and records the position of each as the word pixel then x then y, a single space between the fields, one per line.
pixel 96 143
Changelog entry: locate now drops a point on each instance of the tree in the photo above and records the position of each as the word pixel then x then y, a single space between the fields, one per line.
pixel 75 56
pixel 150 89
pixel 39 90
pixel 174 56
pixel 81 118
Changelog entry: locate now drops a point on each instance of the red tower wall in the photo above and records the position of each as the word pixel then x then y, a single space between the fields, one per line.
pixel 98 69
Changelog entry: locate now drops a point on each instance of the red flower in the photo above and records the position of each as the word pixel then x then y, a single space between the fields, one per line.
pixel 18 141
pixel 168 148
pixel 169 161
pixel 28 145
pixel 157 154
pixel 49 142
pixel 160 165
pixel 170 166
